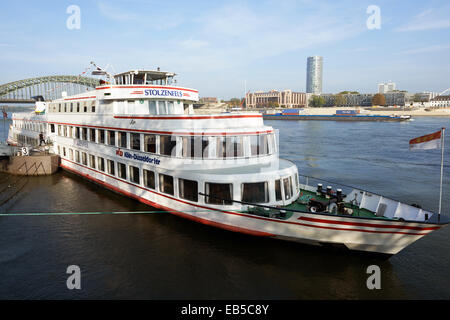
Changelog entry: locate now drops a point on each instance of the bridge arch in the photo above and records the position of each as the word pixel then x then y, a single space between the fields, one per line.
pixel 442 93
pixel 50 87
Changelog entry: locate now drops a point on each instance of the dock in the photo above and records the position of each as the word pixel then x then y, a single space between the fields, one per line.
pixel 33 162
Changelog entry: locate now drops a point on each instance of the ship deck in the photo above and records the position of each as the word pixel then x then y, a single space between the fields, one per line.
pixel 301 204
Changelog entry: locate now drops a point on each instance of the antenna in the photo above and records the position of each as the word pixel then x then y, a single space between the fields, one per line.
pixel 101 72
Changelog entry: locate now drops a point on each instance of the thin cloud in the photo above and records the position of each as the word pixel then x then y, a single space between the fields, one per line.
pixel 115 13
pixel 425 49
pixel 427 20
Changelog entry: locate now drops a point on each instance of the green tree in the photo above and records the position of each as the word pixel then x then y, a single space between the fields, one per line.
pixel 349 92
pixel 235 102
pixel 378 100
pixel 316 101
pixel 340 100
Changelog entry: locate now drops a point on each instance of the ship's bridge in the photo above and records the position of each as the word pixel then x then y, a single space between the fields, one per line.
pixel 144 77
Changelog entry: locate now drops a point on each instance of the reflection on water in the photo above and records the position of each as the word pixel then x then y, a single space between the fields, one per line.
pixel 160 256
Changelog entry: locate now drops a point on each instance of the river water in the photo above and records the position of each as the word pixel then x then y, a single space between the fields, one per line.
pixel 161 256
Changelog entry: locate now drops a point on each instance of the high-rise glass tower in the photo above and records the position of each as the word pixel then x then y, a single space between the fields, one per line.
pixel 314 75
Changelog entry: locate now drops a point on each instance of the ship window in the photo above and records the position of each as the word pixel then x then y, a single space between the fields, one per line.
pixel 134 175
pixel 77 156
pixel 152 107
pixel 64 151
pixel 83 133
pixel 205 148
pixel 166 184
pixel 167 144
pixel 170 108
pixel 111 170
pixel 59 107
pixel 112 138
pixel 255 192
pixel 92 134
pixel 122 139
pixel 287 182
pixel 77 132
pixel 93 106
pixel 101 164
pixel 234 147
pixel 135 141
pixel 71 154
pixel 78 107
pixel 131 107
pixel 188 147
pixel 254 147
pixel 229 147
pixel 263 144
pixel 70 134
pixel 59 130
pixel 150 143
pixel 84 158
pixel 219 193
pixel 138 78
pixel 149 179
pixel 71 107
pixel 121 170
pixel 92 161
pixel 85 106
pixel 65 107
pixel 221 147
pixel 101 136
pixel 278 190
pixel 162 107
pixel 188 189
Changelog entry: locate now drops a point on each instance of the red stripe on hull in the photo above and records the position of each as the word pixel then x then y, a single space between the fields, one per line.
pixel 80 98
pixel 359 224
pixel 145 87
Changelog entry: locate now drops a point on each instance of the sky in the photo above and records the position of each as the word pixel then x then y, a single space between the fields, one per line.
pixel 223 48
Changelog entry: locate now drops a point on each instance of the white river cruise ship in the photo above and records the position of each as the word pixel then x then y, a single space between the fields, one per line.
pixel 139 136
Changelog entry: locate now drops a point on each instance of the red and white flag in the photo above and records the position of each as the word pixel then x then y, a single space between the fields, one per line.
pixel 5 115
pixel 429 141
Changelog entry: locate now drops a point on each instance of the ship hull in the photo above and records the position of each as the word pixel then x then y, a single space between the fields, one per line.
pixel 359 234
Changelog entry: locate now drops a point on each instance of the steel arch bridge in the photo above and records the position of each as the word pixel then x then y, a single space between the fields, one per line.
pixel 442 93
pixel 50 87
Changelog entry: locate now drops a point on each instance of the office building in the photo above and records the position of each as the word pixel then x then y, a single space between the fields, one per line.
pixel 275 99
pixel 314 71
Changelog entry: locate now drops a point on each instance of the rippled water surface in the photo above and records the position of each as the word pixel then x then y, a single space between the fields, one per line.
pixel 160 256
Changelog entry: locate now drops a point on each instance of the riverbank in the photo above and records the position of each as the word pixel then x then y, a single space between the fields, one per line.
pixel 445 112
pixel 420 112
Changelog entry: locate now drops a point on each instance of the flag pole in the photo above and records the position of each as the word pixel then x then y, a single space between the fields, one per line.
pixel 442 172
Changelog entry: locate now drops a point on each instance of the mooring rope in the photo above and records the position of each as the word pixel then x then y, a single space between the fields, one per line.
pixel 88 213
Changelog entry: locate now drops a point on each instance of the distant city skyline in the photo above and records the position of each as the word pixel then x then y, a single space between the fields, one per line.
pixel 223 48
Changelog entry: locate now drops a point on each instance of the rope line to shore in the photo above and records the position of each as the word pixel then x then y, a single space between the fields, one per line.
pixel 86 213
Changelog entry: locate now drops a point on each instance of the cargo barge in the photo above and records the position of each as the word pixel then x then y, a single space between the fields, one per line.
pixel 340 115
